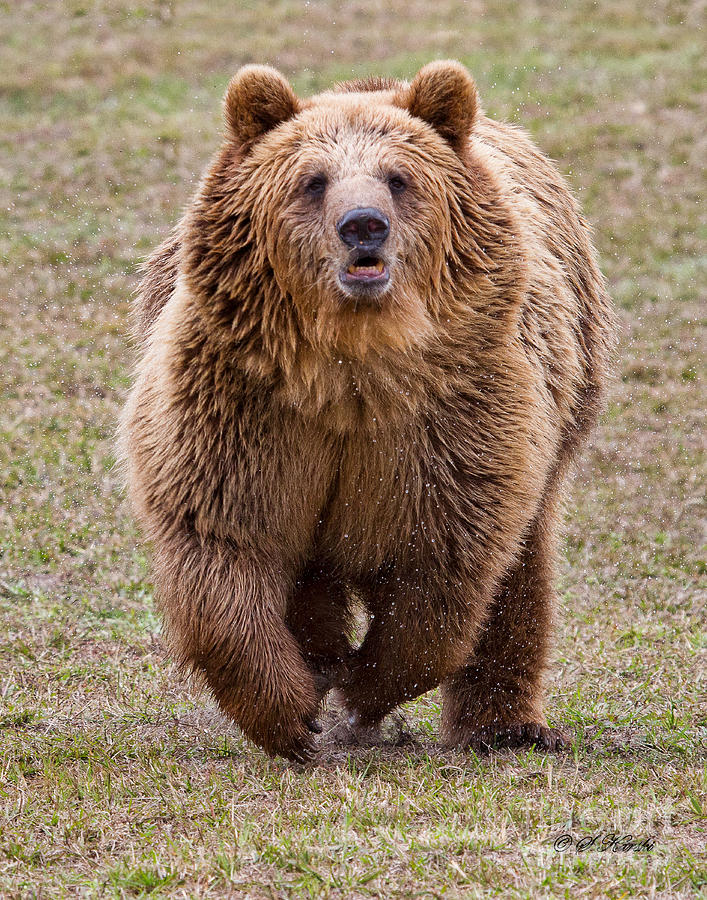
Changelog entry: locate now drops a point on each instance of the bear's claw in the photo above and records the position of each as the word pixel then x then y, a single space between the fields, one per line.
pixel 303 753
pixel 491 737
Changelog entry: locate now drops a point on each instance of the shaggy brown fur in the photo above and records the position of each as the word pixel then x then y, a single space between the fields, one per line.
pixel 292 445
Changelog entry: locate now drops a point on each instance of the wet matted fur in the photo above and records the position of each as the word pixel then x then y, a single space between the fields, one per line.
pixel 290 446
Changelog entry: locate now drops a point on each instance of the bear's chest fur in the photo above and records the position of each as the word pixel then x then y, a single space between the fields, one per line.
pixel 419 465
pixel 406 497
pixel 381 504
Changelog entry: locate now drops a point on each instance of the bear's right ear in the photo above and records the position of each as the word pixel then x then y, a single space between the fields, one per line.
pixel 257 99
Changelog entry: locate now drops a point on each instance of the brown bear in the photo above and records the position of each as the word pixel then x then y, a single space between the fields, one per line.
pixel 370 351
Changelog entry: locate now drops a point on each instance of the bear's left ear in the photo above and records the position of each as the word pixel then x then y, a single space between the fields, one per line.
pixel 257 99
pixel 444 95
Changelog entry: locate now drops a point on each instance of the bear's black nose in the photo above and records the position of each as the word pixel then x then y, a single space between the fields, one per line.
pixel 365 227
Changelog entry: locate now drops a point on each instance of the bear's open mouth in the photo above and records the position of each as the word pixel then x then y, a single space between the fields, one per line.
pixel 365 269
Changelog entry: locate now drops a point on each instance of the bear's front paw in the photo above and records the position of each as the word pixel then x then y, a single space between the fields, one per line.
pixel 296 745
pixel 290 736
pixel 518 734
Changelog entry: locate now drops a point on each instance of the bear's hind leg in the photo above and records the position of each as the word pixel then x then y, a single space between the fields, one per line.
pixel 496 699
pixel 319 616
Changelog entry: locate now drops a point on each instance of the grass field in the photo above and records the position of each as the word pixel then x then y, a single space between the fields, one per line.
pixel 119 780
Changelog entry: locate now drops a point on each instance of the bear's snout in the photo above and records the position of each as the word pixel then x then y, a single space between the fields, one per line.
pixel 365 228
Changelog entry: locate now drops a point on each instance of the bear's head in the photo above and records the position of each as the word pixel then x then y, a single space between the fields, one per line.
pixel 345 221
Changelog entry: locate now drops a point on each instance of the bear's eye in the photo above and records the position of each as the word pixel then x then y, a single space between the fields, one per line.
pixel 315 186
pixel 397 184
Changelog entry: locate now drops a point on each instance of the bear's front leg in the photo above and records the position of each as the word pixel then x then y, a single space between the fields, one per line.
pixel 224 609
pixel 419 635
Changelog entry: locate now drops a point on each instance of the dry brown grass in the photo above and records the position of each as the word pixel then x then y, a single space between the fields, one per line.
pixel 119 780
